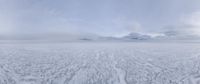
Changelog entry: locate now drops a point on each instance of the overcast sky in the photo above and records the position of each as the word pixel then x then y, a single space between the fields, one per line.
pixel 102 17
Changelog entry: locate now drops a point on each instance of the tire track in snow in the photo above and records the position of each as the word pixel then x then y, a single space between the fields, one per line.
pixel 120 73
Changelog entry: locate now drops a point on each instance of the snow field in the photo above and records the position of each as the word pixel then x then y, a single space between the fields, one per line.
pixel 100 63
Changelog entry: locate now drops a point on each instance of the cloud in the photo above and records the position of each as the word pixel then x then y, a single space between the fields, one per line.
pixel 6 24
pixel 128 24
pixel 192 22
pixel 189 25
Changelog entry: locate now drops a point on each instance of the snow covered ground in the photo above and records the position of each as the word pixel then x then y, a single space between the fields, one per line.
pixel 100 63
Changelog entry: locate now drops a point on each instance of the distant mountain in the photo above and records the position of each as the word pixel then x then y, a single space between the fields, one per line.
pixel 170 35
pixel 136 36
pixel 176 35
pixel 129 37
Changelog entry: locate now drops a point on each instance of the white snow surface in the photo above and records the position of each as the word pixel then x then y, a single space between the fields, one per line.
pixel 100 63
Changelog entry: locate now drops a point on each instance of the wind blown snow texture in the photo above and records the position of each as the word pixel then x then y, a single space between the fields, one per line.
pixel 100 63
